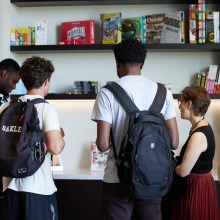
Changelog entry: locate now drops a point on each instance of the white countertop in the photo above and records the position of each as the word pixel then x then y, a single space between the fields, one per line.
pixel 87 174
pixel 78 174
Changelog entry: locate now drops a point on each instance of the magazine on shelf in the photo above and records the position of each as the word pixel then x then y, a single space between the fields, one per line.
pixel 56 163
pixel 98 158
pixel 173 28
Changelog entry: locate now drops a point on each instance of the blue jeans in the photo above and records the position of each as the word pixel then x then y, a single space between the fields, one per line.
pixel 118 204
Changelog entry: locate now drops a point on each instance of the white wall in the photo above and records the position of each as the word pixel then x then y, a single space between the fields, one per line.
pixel 167 67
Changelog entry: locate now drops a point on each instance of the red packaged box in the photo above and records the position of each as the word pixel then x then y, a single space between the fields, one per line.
pixel 82 32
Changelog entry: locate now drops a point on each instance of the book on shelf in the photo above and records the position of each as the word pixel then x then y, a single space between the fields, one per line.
pixel 98 158
pixel 201 21
pixel 213 69
pixel 110 28
pixel 212 27
pixel 41 32
pixel 193 24
pixel 134 28
pixel 201 79
pixel 209 80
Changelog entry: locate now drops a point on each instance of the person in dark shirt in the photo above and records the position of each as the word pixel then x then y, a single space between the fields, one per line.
pixel 195 193
pixel 9 77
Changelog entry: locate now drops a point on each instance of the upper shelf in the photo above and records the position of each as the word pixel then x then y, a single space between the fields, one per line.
pixel 32 3
pixel 108 48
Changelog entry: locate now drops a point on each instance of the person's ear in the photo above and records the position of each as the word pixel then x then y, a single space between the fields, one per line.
pixel 45 82
pixel 189 103
pixel 4 74
pixel 141 66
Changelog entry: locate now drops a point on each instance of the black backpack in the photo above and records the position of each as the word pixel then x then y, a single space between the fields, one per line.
pixel 22 150
pixel 145 161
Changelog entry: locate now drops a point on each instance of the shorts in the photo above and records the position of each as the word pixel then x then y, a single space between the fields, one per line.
pixel 26 206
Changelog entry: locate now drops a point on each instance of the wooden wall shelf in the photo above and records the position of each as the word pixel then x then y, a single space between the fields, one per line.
pixel 102 48
pixel 64 96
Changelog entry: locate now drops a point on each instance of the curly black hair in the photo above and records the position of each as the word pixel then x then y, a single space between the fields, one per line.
pixel 10 65
pixel 34 71
pixel 130 51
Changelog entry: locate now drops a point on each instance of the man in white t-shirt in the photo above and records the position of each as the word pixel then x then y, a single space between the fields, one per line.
pixel 34 197
pixel 117 201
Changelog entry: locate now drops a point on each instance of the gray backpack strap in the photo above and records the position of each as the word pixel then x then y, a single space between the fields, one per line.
pixel 122 97
pixel 129 105
pixel 159 99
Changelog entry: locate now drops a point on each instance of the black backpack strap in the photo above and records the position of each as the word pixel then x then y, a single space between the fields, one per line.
pixel 122 97
pixel 38 100
pixel 159 99
pixel 113 145
pixel 34 101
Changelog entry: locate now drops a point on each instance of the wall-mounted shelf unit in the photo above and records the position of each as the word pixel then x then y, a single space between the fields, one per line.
pixel 64 96
pixel 33 3
pixel 101 48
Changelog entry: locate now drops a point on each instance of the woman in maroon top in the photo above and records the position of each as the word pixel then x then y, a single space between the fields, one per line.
pixel 194 187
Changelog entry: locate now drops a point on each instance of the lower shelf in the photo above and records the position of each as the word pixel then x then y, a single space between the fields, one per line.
pixel 64 96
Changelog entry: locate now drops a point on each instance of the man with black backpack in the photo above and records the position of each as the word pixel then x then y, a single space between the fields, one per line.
pixel 9 77
pixel 115 117
pixel 32 197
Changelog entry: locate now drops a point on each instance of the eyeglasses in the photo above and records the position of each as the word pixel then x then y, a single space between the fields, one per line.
pixel 179 101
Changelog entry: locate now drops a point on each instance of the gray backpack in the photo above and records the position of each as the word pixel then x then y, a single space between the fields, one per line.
pixel 145 161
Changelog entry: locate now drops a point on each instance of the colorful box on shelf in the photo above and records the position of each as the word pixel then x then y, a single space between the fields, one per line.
pixel 111 28
pixel 81 32
pixel 134 28
pixel 85 87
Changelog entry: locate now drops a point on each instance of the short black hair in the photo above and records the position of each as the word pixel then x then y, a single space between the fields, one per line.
pixel 130 51
pixel 9 65
pixel 34 71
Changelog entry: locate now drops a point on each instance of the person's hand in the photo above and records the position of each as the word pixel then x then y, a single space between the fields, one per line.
pixel 62 132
